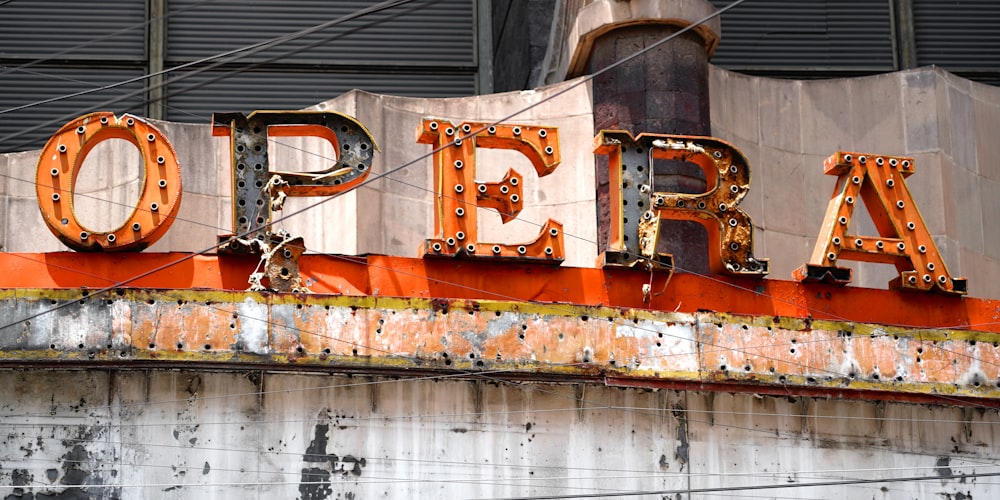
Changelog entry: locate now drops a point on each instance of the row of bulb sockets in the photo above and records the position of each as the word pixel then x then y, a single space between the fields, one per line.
pixel 880 245
pixel 878 161
pixel 471 247
pixel 153 207
pixel 460 188
pixel 466 128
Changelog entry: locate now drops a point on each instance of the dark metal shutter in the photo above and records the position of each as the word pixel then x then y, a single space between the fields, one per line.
pixel 422 48
pixel 195 98
pixel 68 46
pixel 799 36
pixel 113 29
pixel 21 87
pixel 422 32
pixel 959 35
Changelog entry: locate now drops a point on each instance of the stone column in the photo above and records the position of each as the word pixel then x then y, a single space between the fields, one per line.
pixel 664 91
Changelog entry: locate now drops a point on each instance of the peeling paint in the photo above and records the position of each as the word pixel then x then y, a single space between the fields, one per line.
pixel 630 347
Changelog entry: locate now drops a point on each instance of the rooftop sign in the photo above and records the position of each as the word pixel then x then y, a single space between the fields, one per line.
pixel 637 209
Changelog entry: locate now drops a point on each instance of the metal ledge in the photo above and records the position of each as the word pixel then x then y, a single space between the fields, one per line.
pixel 508 339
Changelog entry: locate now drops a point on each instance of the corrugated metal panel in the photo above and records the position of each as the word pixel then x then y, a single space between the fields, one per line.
pixel 424 32
pixel 250 91
pixel 806 34
pixel 30 29
pixel 19 88
pixel 958 34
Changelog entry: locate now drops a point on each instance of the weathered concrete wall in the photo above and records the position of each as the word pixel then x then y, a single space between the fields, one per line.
pixel 203 434
pixel 948 124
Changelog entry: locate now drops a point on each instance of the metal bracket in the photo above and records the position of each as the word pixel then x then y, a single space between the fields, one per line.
pixel 280 261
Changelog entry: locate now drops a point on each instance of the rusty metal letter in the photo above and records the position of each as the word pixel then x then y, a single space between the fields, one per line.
pixel 903 237
pixel 636 210
pixel 258 190
pixel 459 195
pixel 59 166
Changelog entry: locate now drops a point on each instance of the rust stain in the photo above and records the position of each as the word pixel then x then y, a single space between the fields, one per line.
pixel 517 338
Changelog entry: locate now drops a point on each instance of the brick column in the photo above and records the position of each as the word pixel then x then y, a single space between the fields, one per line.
pixel 664 91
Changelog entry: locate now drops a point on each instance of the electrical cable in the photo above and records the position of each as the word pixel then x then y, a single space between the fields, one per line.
pixel 235 53
pixel 727 283
pixel 413 161
pixel 476 415
pixel 960 477
pixel 92 41
pixel 618 473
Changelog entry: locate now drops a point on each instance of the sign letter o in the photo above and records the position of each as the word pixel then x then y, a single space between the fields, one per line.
pixel 59 165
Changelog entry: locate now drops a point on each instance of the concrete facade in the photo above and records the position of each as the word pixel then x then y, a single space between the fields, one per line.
pixel 786 128
pixel 240 411
pixel 255 434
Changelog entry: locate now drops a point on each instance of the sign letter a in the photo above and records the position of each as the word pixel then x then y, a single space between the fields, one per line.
pixel 903 237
